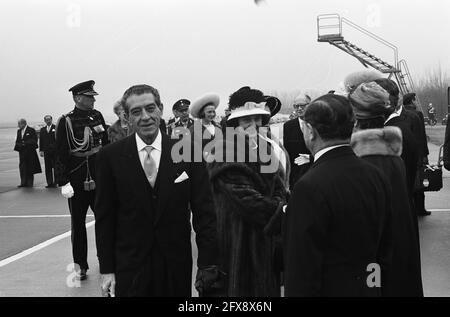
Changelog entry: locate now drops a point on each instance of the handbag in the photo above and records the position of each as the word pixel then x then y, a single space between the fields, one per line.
pixel 430 176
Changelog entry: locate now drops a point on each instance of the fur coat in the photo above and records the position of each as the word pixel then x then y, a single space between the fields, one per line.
pixel 383 147
pixel 249 214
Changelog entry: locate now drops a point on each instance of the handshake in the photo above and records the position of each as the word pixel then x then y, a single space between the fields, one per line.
pixel 209 280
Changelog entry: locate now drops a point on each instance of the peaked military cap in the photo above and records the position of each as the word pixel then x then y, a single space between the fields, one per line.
pixel 84 88
pixel 180 104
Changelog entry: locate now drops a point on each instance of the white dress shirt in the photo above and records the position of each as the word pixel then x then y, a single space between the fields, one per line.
pixel 395 114
pixel 23 131
pixel 325 150
pixel 156 152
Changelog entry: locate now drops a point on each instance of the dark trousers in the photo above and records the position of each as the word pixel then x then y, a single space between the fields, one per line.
pixel 78 206
pixel 419 202
pixel 49 159
pixel 150 280
pixel 26 177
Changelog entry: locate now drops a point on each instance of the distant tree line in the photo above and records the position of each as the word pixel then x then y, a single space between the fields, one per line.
pixel 432 88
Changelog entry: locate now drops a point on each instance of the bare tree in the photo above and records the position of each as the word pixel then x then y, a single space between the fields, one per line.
pixel 432 88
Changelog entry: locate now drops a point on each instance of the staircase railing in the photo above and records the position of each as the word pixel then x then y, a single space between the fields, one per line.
pixel 323 23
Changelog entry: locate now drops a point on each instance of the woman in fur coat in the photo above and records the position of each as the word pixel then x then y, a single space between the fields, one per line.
pixel 382 146
pixel 249 195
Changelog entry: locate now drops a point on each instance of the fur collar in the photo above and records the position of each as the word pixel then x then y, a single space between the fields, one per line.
pixel 386 141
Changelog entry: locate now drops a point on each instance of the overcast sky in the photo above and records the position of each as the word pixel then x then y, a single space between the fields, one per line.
pixel 185 48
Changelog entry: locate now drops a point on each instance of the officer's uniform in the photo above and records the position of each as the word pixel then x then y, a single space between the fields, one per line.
pixel 79 136
pixel 175 123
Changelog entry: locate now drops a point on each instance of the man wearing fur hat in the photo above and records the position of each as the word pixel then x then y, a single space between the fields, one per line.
pixel 382 147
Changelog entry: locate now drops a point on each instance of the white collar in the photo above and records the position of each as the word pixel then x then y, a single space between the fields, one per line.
pixel 156 143
pixel 395 114
pixel 325 150
pixel 25 128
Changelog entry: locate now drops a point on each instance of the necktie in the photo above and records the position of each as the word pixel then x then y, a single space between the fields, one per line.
pixel 150 166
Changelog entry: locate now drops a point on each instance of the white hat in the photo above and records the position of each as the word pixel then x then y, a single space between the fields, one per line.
pixel 210 99
pixel 249 109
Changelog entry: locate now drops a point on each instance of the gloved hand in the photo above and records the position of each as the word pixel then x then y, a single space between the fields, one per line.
pixel 67 191
pixel 205 278
pixel 302 159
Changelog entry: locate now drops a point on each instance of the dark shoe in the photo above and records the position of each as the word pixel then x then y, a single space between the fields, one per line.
pixel 424 213
pixel 81 275
pixel 20 186
pixel 48 186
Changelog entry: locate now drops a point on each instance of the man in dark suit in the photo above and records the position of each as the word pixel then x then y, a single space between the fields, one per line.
pixel 408 124
pixel 142 210
pixel 415 117
pixel 26 145
pixel 299 155
pixel 47 149
pixel 338 226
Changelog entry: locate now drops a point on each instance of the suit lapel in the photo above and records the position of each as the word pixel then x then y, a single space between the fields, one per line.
pixel 165 176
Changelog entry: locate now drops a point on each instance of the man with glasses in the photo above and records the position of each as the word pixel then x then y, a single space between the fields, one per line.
pixel 79 136
pixel 299 155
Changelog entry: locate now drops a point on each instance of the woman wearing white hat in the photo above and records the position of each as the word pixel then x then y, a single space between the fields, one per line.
pixel 204 109
pixel 248 201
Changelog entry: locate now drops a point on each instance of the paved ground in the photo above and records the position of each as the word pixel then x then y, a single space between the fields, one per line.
pixel 35 248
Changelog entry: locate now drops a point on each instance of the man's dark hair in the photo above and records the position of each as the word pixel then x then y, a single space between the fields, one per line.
pixel 391 87
pixel 409 98
pixel 140 90
pixel 332 116
pixel 243 95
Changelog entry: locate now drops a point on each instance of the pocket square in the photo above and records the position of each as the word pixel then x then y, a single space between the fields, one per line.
pixel 181 178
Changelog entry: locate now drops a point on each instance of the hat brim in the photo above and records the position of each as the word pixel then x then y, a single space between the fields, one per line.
pixel 249 112
pixel 179 108
pixel 200 103
pixel 88 93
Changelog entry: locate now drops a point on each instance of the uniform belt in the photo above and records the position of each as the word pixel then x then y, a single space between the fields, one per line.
pixel 87 153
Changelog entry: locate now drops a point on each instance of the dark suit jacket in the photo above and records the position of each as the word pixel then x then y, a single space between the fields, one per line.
pixel 26 147
pixel 128 227
pixel 446 154
pixel 47 139
pixel 408 124
pixel 338 221
pixel 294 144
pixel 162 126
pixel 417 126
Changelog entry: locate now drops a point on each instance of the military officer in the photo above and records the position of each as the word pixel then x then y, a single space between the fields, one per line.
pixel 79 136
pixel 181 112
